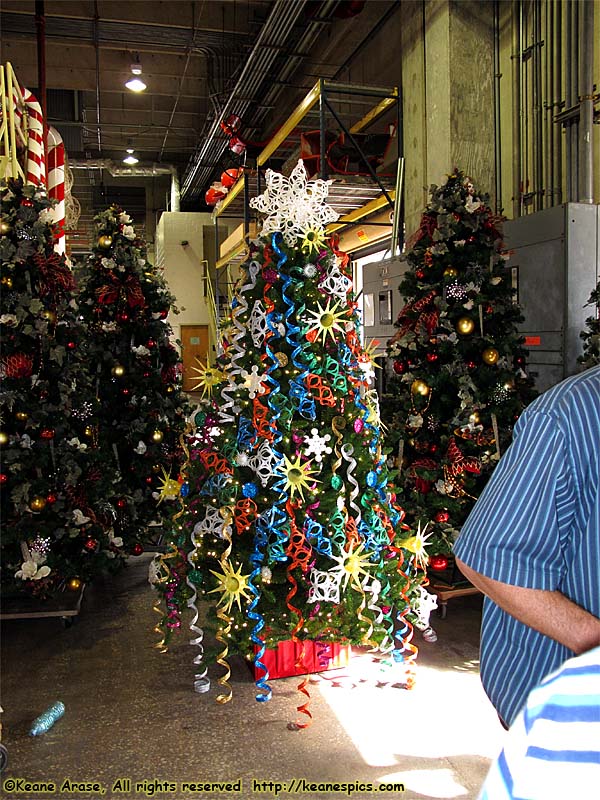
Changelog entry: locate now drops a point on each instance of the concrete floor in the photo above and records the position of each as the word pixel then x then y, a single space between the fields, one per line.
pixel 131 712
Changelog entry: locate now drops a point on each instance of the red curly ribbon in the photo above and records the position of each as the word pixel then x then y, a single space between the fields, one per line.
pixel 299 554
pixel 334 241
pixel 245 512
pixel 320 390
pixel 459 463
pixel 261 420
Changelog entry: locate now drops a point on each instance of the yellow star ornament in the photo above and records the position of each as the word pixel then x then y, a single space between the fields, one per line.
pixel 297 476
pixel 352 564
pixel 208 378
pixel 233 586
pixel 326 320
pixel 416 544
pixel 169 488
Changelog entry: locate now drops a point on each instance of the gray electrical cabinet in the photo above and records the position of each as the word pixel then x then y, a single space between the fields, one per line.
pixel 554 266
pixel 381 300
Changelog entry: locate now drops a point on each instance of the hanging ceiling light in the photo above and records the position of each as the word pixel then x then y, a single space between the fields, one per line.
pixel 130 157
pixel 135 83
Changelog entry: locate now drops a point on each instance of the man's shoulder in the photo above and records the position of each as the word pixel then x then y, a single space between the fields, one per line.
pixel 579 392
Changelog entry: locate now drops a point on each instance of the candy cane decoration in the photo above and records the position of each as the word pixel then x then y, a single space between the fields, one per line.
pixel 35 171
pixel 56 186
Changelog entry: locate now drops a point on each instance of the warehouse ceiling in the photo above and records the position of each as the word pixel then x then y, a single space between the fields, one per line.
pixel 201 60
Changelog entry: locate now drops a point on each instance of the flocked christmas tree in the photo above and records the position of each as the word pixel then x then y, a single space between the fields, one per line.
pixel 290 529
pixel 56 530
pixel 125 302
pixel 591 336
pixel 459 378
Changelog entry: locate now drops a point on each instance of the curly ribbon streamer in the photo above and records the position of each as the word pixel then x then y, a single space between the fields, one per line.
pixel 245 512
pixel 299 555
pixel 347 451
pixel 257 558
pixel 261 422
pixel 168 574
pixel 337 425
pixel 224 629
pixel 405 631
pixel 324 395
pixel 344 258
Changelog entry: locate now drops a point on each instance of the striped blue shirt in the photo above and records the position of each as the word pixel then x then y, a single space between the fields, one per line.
pixel 553 747
pixel 537 525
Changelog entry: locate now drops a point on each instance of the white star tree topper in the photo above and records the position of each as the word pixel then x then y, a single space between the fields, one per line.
pixel 294 206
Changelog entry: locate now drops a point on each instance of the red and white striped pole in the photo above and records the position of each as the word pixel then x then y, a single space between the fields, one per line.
pixel 56 185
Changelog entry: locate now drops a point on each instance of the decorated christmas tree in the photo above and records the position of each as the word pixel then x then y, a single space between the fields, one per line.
pixel 125 302
pixel 459 380
pixel 591 336
pixel 56 526
pixel 290 529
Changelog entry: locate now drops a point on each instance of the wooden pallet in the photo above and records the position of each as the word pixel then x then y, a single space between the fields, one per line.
pixel 66 606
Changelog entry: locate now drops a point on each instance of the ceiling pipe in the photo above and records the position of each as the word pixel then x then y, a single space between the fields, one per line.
pixel 40 27
pixel 278 27
pixel 586 104
pixel 150 171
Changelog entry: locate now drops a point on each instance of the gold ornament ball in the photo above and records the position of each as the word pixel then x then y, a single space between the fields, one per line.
pixel 419 387
pixel 475 419
pixel 490 355
pixel 5 227
pixel 157 436
pixel 3 437
pixel 104 241
pixel 118 371
pixel 89 431
pixel 21 416
pixel 74 584
pixel 170 389
pixel 450 272
pixel 465 325
pixel 7 281
pixel 49 315
pixel 37 503
pixel 282 359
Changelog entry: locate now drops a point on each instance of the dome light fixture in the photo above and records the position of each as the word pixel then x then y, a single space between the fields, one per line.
pixel 130 157
pixel 135 83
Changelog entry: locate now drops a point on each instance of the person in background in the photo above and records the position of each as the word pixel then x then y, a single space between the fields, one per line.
pixel 531 544
pixel 553 747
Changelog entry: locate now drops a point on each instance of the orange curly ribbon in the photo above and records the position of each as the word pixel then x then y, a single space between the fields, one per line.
pixel 322 393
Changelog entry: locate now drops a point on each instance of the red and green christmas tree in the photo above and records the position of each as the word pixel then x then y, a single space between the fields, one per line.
pixel 591 335
pixel 291 530
pixel 125 302
pixel 56 524
pixel 459 381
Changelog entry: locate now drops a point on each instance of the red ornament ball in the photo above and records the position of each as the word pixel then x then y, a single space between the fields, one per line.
pixel 433 448
pixel 125 392
pixel 27 202
pixel 150 343
pixel 438 563
pixel 229 177
pixel 3 477
pixel 121 503
pixel 91 545
pixel 519 361
pixel 51 499
pixel 489 309
pixel 137 549
pixel 420 274
pixel 47 433
pixel 163 314
pixel 471 365
pixel 149 479
pixel 431 357
pixel 71 345
pixel 442 516
pixel 123 316
pixel 400 367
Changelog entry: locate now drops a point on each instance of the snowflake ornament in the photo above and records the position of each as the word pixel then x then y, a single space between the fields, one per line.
pixel 294 206
pixel 253 382
pixel 258 323
pixel 317 445
pixel 265 462
pixel 324 586
pixel 336 283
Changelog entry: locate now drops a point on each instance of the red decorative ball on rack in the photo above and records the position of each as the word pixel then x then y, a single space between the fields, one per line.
pixel 442 516
pixel 137 549
pixel 91 545
pixel 400 367
pixel 229 177
pixel 438 563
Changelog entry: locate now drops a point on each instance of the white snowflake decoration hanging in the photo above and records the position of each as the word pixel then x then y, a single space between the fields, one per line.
pixel 214 523
pixel 336 283
pixel 324 586
pixel 258 323
pixel 253 382
pixel 265 462
pixel 423 605
pixel 294 205
pixel 317 445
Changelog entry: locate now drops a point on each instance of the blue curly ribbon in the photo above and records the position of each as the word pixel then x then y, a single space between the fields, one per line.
pixel 245 433
pixel 313 531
